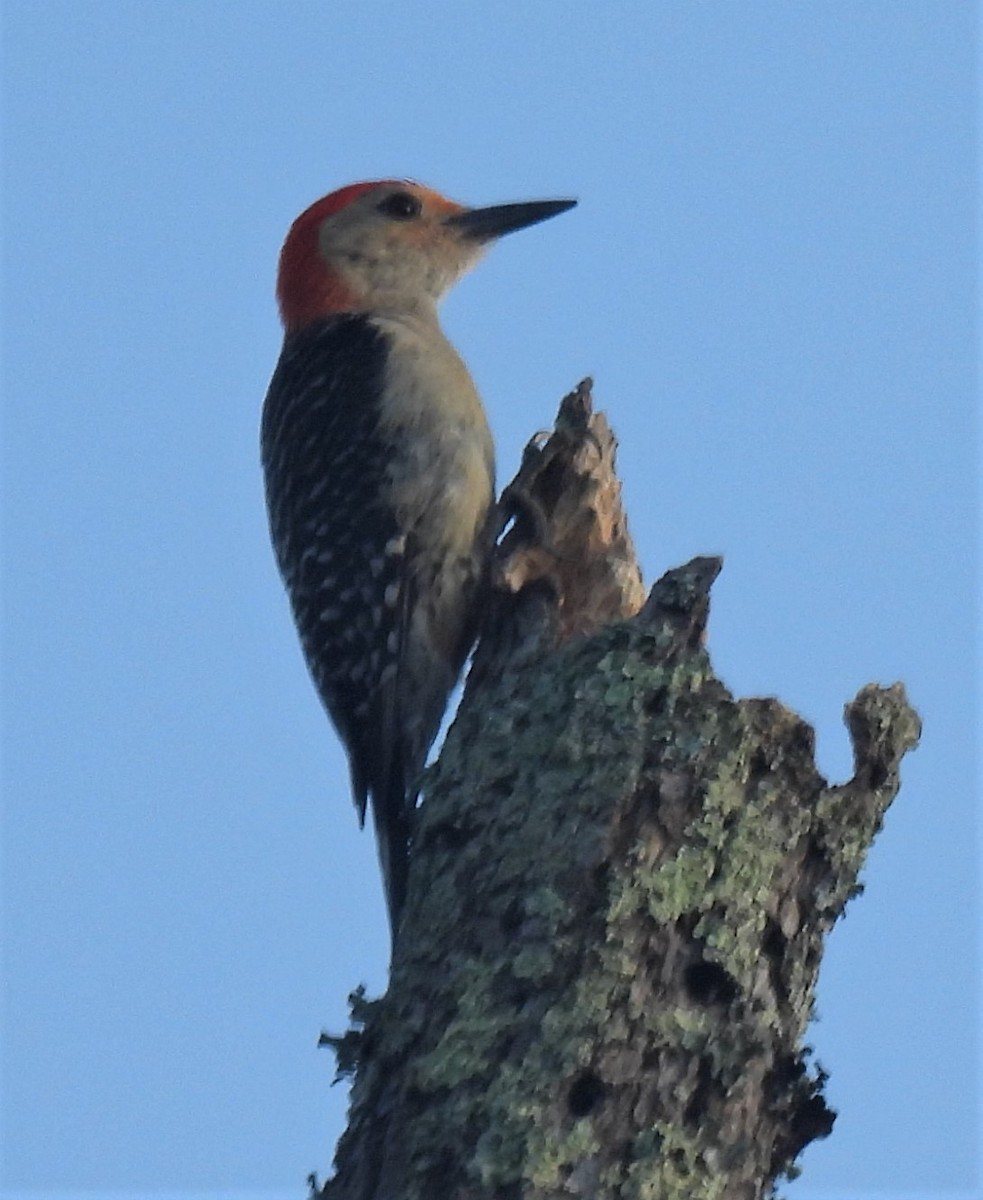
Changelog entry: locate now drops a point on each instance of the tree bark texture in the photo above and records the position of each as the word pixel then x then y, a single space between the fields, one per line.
pixel 621 881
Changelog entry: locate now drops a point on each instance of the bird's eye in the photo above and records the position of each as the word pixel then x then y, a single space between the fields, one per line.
pixel 403 206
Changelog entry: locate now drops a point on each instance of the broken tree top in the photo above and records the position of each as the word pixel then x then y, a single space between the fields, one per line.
pixel 621 881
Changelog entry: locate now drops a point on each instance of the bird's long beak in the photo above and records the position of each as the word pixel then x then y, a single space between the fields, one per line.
pixel 486 224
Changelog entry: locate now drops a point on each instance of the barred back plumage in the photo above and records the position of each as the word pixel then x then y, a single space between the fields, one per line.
pixel 356 576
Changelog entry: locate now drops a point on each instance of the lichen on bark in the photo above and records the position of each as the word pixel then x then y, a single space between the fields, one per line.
pixel 621 881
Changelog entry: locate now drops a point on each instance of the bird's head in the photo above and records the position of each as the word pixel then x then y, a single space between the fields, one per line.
pixel 389 244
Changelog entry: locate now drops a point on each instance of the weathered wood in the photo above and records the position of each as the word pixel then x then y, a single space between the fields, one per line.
pixel 620 886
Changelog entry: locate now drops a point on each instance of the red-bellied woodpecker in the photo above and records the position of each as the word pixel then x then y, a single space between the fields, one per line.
pixel 379 472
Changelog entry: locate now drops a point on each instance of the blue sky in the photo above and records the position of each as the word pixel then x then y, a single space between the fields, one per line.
pixel 770 276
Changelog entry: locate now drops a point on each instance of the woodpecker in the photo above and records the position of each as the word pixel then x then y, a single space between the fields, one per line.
pixel 380 476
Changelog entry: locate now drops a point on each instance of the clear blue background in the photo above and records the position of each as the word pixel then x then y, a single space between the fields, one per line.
pixel 771 278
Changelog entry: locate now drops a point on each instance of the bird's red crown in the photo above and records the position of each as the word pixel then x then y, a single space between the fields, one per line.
pixel 306 288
